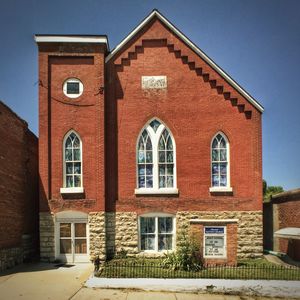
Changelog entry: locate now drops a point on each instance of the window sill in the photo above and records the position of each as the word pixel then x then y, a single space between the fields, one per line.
pixel 73 190
pixel 222 189
pixel 165 191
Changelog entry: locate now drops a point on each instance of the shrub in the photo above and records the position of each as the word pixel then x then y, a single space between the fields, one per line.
pixel 187 256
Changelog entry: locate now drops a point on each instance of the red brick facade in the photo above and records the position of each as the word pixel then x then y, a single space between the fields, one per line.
pixel 18 188
pixel 109 116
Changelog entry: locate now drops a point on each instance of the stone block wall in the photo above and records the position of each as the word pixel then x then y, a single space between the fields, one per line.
pixel 97 235
pixel 47 239
pixel 249 231
pixel 10 257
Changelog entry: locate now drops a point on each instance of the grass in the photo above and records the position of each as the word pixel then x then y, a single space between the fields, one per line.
pixel 151 268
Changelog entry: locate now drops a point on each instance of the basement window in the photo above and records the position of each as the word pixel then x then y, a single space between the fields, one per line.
pixel 73 88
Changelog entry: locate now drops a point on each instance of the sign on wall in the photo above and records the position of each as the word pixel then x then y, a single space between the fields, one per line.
pixel 154 82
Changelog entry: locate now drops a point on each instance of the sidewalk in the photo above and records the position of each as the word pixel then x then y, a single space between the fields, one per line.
pixel 260 288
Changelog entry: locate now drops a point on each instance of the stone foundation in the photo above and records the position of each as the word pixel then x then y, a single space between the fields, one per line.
pixel 47 246
pixel 250 237
pixel 10 257
pixel 97 235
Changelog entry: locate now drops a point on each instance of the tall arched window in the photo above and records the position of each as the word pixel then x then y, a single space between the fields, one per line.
pixel 156 169
pixel 72 153
pixel 220 176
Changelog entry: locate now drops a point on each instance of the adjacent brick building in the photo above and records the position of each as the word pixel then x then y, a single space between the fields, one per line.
pixel 18 189
pixel 282 223
pixel 137 142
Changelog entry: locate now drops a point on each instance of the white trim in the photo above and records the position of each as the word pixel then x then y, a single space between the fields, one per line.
pixel 72 80
pixel 224 235
pixel 220 189
pixel 154 137
pixel 214 220
pixel 193 47
pixel 69 39
pixel 72 190
pixel 156 216
pixel 226 188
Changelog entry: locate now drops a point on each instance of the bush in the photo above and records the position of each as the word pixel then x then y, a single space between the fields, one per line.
pixel 187 257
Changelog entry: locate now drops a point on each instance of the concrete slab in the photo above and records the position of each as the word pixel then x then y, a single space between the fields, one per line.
pixel 150 296
pixel 44 281
pixel 100 294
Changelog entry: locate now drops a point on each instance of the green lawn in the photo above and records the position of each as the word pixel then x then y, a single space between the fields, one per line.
pixel 151 268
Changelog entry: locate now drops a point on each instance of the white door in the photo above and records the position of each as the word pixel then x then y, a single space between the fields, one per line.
pixel 72 242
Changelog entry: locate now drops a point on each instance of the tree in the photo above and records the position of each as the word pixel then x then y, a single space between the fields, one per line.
pixel 268 191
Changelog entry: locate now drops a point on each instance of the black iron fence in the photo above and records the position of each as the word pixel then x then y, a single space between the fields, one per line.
pixel 133 269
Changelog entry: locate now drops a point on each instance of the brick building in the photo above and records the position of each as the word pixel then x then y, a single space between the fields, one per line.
pixel 139 141
pixel 18 190
pixel 282 223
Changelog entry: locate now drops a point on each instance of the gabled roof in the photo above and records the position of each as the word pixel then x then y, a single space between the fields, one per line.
pixel 156 14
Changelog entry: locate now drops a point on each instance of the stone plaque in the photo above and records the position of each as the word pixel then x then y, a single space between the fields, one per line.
pixel 154 82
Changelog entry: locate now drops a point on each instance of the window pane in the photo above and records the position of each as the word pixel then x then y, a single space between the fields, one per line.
pixel 223 180
pixel 155 124
pixel 222 143
pixel 68 143
pixel 162 157
pixel 69 168
pixel 65 230
pixel 215 180
pixel 215 168
pixel 65 246
pixel 170 169
pixel 141 144
pixel 214 143
pixel 141 181
pixel 76 154
pixel 169 182
pixel 162 181
pixel 141 157
pixel 80 246
pixel 165 224
pixel 169 144
pixel 161 169
pixel 72 87
pixel 77 180
pixel 223 169
pixel 68 154
pixel 141 170
pixel 80 229
pixel 149 156
pixel 215 155
pixel 164 242
pixel 69 181
pixel 148 242
pixel 149 182
pixel 148 225
pixel 149 145
pixel 169 156
pixel 76 143
pixel 149 169
pixel 161 145
pixel 77 168
pixel 223 155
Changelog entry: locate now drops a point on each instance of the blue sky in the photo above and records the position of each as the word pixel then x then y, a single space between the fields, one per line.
pixel 256 42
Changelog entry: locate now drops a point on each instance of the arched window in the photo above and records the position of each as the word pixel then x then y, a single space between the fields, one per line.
pixel 220 178
pixel 72 153
pixel 156 169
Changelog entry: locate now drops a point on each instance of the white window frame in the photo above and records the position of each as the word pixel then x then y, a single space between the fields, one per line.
pixel 65 189
pixel 224 235
pixel 154 137
pixel 156 216
pixel 72 80
pixel 226 188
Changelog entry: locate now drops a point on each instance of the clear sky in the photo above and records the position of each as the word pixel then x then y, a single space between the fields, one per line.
pixel 257 42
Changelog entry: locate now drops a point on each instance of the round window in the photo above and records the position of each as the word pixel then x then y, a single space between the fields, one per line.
pixel 73 88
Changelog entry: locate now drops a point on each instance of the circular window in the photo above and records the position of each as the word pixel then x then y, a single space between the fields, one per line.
pixel 73 88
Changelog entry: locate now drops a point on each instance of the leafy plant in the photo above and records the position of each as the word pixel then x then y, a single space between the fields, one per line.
pixel 187 257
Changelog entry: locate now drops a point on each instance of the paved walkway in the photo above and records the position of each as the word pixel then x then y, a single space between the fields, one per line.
pixel 52 282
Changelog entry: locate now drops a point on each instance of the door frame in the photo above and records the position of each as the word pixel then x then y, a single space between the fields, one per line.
pixel 71 217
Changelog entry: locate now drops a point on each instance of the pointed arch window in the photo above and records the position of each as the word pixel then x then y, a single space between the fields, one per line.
pixel 72 160
pixel 220 175
pixel 156 160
